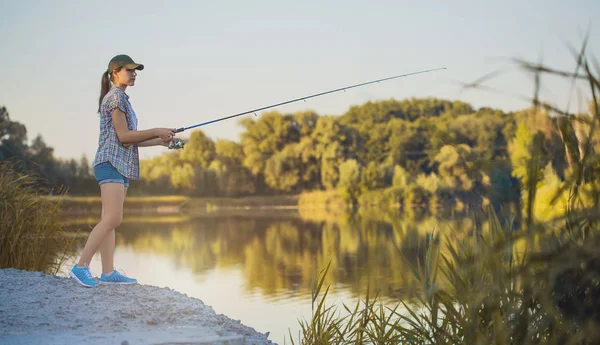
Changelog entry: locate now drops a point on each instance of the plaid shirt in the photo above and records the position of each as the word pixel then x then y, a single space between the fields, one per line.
pixel 110 149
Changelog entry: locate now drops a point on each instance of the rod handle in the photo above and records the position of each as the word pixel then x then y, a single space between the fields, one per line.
pixel 179 130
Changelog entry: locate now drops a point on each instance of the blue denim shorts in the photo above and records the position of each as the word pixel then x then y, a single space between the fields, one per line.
pixel 106 172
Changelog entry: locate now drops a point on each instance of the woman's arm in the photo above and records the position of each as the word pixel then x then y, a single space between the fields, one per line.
pixel 154 142
pixel 128 137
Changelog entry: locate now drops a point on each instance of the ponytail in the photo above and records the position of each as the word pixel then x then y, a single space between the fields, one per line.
pixel 104 88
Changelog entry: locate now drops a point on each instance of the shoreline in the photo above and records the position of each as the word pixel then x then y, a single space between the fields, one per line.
pixel 176 204
pixel 37 307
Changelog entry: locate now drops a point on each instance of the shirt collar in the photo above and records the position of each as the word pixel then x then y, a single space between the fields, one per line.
pixel 121 91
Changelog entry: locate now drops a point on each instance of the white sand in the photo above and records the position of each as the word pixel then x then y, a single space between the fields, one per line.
pixel 40 308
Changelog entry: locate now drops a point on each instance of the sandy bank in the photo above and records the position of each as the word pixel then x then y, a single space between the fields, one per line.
pixel 37 308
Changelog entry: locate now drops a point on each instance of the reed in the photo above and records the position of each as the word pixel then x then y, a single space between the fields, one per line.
pixel 31 237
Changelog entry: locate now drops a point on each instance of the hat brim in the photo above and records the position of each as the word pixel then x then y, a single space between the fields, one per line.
pixel 136 66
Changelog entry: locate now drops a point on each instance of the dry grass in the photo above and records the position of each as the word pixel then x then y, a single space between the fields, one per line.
pixel 31 237
pixel 497 294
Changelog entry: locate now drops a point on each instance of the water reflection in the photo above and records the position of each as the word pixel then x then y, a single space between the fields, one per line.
pixel 268 261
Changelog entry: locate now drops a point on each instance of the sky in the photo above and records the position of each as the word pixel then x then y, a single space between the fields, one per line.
pixel 204 60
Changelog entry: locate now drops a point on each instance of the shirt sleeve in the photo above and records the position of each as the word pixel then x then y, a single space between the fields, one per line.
pixel 116 100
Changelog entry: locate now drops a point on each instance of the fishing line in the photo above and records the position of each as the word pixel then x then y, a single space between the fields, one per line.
pixel 178 130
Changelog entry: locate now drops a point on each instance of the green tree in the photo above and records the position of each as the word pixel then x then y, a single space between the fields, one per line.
pixel 333 144
pixel 304 122
pixel 460 170
pixel 282 171
pixel 372 177
pixel 13 137
pixel 199 150
pixel 234 178
pixel 456 166
pixel 44 163
pixel 406 145
pixel 348 185
pixel 310 169
pixel 263 138
pixel 401 177
pixel 183 177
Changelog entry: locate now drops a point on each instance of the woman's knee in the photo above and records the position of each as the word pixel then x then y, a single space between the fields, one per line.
pixel 113 220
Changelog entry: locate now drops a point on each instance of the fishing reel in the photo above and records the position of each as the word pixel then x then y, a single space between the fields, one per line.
pixel 176 144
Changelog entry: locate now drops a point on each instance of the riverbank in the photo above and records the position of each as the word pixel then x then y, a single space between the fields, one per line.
pixel 175 204
pixel 41 308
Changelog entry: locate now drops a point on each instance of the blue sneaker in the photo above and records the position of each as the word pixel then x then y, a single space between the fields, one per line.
pixel 83 276
pixel 116 277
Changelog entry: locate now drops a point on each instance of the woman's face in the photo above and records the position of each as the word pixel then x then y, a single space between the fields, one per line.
pixel 125 77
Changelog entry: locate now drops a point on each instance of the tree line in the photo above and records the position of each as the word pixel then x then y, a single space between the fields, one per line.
pixel 38 159
pixel 370 147
pixel 409 152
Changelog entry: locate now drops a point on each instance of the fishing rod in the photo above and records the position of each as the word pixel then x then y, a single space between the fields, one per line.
pixel 178 130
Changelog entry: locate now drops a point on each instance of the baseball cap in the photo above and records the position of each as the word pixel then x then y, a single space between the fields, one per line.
pixel 124 61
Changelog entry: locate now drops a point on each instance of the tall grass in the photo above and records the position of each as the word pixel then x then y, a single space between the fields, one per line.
pixel 498 293
pixel 538 283
pixel 31 237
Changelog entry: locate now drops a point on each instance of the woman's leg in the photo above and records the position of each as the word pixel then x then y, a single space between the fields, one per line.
pixel 113 196
pixel 107 248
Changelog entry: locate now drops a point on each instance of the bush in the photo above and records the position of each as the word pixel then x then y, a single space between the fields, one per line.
pixel 375 198
pixel 31 237
pixel 321 199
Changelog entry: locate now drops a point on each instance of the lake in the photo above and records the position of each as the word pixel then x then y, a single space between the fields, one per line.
pixel 258 266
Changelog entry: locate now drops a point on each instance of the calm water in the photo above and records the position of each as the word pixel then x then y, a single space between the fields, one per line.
pixel 258 268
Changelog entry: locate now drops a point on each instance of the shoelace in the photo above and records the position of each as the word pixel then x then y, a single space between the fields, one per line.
pixel 120 274
pixel 87 273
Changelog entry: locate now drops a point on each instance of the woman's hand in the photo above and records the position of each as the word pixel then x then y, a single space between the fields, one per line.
pixel 156 142
pixel 165 142
pixel 165 133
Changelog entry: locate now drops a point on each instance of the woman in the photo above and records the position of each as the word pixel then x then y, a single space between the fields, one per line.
pixel 116 161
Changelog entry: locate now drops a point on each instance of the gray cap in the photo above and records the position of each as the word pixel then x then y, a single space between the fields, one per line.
pixel 123 61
